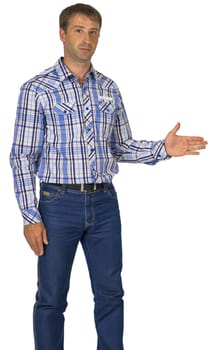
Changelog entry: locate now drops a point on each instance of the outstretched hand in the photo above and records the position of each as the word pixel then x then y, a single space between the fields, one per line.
pixel 183 145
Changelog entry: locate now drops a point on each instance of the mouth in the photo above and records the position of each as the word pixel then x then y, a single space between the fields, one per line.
pixel 86 49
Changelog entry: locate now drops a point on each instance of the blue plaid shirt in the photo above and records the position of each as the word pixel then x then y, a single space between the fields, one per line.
pixel 66 132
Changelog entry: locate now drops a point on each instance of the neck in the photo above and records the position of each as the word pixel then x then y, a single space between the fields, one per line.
pixel 78 69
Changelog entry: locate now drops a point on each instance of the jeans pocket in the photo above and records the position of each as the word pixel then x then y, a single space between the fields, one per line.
pixel 111 192
pixel 49 193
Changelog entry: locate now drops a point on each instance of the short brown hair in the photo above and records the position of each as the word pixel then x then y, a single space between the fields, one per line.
pixel 83 9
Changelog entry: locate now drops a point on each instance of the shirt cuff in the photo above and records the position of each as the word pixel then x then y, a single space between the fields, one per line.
pixel 31 216
pixel 160 151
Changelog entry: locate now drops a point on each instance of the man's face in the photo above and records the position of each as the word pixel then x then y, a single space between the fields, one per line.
pixel 80 39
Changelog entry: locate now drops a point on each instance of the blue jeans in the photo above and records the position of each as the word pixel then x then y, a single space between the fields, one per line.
pixel 92 218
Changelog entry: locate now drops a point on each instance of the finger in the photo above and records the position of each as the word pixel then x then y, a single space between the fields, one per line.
pixel 196 146
pixel 176 128
pixel 45 237
pixel 39 247
pixel 192 153
pixel 196 139
pixel 194 149
pixel 36 244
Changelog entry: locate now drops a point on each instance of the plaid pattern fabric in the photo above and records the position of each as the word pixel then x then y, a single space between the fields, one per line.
pixel 66 132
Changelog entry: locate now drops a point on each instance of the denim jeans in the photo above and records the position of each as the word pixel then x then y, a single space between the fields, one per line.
pixel 93 219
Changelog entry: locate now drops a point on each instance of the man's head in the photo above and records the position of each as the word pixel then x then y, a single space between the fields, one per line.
pixel 82 9
pixel 79 32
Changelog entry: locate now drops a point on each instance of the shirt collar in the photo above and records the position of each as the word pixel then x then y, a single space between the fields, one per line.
pixel 64 73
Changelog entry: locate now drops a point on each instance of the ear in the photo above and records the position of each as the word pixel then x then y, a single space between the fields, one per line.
pixel 62 35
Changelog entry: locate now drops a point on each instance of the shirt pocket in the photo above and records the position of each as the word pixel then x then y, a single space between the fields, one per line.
pixel 105 118
pixel 64 125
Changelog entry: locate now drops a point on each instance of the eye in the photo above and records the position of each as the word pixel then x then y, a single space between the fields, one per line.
pixel 93 32
pixel 78 30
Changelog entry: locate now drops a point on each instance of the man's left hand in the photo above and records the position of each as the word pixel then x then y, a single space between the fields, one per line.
pixel 183 145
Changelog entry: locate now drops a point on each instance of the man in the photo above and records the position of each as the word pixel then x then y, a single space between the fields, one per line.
pixel 71 131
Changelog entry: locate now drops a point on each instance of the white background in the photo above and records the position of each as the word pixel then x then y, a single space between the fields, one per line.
pixel 160 53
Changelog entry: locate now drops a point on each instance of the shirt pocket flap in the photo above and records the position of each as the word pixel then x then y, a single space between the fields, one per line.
pixel 106 106
pixel 64 107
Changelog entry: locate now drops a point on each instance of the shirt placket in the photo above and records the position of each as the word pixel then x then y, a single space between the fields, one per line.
pixel 89 131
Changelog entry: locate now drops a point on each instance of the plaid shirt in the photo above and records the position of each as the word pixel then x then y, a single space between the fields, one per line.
pixel 66 132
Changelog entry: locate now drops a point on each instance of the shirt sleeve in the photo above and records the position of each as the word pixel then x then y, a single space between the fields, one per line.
pixel 126 149
pixel 26 151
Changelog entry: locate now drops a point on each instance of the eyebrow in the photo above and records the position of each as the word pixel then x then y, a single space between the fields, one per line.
pixel 82 27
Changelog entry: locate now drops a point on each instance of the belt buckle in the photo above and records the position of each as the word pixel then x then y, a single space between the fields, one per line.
pixel 82 187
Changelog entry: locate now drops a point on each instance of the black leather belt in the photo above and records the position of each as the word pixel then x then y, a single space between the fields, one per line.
pixel 85 187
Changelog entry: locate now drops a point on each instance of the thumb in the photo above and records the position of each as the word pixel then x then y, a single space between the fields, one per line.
pixel 176 128
pixel 45 237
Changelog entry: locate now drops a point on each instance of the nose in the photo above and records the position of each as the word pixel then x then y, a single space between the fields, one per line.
pixel 86 37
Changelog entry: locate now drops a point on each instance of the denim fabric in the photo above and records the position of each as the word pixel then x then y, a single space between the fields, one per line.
pixel 93 219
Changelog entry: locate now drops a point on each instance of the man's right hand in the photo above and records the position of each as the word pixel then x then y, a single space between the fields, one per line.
pixel 36 237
